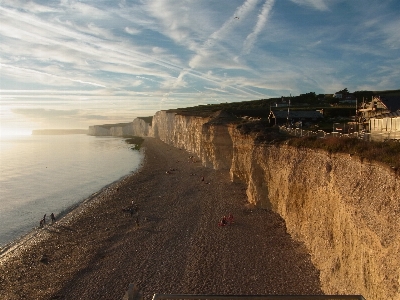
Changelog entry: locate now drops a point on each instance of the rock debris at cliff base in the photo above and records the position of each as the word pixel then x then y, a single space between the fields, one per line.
pixel 178 247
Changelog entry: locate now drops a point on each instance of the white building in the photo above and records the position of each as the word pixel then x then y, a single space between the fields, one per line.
pixel 385 123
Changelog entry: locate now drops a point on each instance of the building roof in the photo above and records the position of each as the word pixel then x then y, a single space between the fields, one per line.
pixel 394 114
pixel 391 102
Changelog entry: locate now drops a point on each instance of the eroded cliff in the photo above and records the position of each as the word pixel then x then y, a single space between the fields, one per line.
pixel 140 127
pixel 111 130
pixel 344 210
pixel 208 138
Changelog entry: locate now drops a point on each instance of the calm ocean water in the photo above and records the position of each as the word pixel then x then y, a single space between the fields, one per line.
pixel 41 174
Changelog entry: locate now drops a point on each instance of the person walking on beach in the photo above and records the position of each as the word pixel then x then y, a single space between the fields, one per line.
pixel 44 219
pixel 223 221
pixel 53 218
pixel 230 218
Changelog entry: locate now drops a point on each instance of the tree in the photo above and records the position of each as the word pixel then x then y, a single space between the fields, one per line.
pixel 345 91
pixel 363 95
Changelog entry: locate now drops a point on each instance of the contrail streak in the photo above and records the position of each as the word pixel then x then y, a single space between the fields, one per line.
pixel 51 75
pixel 262 19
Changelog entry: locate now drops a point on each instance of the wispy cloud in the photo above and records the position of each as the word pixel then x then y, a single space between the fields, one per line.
pixel 205 51
pixel 261 21
pixel 132 31
pixel 241 12
pixel 44 113
pixel 125 56
pixel 19 70
pixel 316 4
pixel 30 6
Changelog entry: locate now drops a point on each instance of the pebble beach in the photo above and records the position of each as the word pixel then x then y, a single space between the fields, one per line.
pixel 170 243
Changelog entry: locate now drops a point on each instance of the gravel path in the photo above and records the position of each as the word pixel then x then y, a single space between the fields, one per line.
pixel 98 249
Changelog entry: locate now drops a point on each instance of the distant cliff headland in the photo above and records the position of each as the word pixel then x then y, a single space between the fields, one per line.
pixel 343 207
pixel 58 131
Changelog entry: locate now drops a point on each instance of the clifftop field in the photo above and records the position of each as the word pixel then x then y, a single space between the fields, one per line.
pixel 387 152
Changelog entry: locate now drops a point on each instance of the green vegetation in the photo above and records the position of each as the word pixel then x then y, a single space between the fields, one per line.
pixel 135 140
pixel 254 108
pixel 262 132
pixel 308 101
pixel 387 152
pixel 384 152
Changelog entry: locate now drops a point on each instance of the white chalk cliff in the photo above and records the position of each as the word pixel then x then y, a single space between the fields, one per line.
pixel 345 210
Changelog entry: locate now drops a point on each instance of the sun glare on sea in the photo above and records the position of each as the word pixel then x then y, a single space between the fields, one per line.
pixel 6 133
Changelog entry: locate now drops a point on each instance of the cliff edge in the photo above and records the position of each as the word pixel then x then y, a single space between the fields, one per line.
pixel 345 210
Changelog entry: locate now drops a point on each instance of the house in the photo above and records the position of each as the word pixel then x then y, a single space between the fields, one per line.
pixel 392 103
pixel 379 106
pixel 385 123
pixel 283 102
pixel 282 117
pixel 348 99
pixel 381 115
pixel 338 95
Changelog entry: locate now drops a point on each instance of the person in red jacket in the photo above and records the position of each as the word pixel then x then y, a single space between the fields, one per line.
pixel 223 221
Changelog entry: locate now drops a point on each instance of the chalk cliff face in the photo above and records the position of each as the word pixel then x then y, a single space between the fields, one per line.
pixel 140 128
pixel 98 130
pixel 344 210
pixel 121 130
pixel 205 137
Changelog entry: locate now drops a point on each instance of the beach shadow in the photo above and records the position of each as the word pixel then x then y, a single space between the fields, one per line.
pixel 57 229
pixel 67 228
pixel 153 219
pixel 149 230
pixel 52 229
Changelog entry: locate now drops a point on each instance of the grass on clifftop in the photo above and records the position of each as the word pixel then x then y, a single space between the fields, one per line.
pixel 387 152
pixel 135 140
pixel 262 133
pixel 384 152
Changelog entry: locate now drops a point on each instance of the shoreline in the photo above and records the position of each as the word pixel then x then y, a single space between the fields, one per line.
pixel 57 183
pixel 97 250
pixel 34 232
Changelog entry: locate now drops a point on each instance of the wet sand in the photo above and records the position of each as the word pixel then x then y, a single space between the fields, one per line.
pixel 95 251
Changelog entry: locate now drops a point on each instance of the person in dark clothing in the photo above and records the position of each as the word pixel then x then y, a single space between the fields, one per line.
pixel 53 218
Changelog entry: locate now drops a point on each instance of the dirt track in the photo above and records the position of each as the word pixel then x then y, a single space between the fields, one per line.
pixel 97 250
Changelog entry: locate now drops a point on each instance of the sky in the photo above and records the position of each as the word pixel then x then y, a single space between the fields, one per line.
pixel 73 64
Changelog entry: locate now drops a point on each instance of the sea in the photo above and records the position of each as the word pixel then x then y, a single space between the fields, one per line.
pixel 44 174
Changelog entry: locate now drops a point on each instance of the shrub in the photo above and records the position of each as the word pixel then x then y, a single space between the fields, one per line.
pixel 135 140
pixel 385 152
